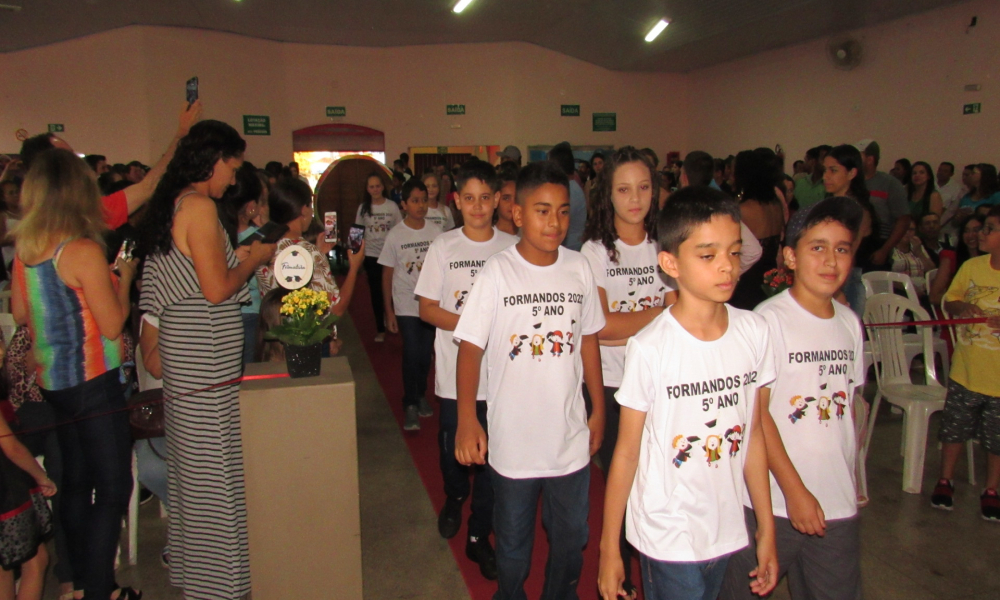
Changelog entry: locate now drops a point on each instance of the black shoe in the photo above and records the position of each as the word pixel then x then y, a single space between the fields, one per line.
pixel 450 517
pixel 144 496
pixel 942 495
pixel 480 551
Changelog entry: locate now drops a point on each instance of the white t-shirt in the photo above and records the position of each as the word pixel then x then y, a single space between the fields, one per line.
pixel 441 216
pixel 450 267
pixel 686 502
pixel 819 363
pixel 634 284
pixel 404 251
pixel 530 321
pixel 377 225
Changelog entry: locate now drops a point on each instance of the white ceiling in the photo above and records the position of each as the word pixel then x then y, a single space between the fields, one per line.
pixel 608 33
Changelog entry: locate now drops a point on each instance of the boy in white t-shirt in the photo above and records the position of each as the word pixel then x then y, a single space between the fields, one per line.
pixel 689 433
pixel 507 173
pixel 449 272
pixel 807 414
pixel 402 258
pixel 534 315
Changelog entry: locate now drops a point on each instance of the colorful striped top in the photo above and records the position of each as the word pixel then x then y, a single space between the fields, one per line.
pixel 69 347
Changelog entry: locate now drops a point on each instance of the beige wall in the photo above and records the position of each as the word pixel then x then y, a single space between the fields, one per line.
pixel 512 93
pixel 907 94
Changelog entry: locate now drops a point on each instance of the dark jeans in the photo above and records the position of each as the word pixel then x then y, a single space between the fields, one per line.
pixel 250 322
pixel 418 349
pixel 564 516
pixel 97 478
pixel 456 476
pixel 612 414
pixel 663 580
pixel 373 271
pixel 38 415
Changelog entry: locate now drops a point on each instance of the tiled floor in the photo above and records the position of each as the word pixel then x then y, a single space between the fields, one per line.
pixel 909 551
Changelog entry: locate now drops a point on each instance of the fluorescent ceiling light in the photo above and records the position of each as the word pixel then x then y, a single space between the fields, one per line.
pixel 462 4
pixel 657 29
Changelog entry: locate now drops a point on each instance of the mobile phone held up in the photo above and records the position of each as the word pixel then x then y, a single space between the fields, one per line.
pixel 192 90
pixel 354 238
pixel 330 227
pixel 270 233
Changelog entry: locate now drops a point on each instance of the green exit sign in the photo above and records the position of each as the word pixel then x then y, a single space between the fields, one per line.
pixel 605 121
pixel 455 109
pixel 442 149
pixel 256 125
pixel 336 111
pixel 569 110
pixel 968 109
pixel 56 128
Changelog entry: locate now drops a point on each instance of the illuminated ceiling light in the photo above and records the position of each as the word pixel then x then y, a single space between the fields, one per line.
pixel 461 5
pixel 657 29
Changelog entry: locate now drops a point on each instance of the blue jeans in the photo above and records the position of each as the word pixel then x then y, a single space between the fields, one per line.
pixel 564 516
pixel 418 349
pixel 854 289
pixel 662 580
pixel 97 476
pixel 456 476
pixel 150 462
pixel 250 322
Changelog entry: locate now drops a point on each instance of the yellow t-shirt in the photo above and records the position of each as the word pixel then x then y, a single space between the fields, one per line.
pixel 977 356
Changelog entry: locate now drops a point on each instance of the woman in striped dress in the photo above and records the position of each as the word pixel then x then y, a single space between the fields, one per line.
pixel 195 283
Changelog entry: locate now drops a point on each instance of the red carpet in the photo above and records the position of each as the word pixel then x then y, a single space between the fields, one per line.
pixel 386 359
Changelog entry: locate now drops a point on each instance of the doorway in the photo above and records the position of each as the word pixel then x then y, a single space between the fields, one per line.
pixel 341 188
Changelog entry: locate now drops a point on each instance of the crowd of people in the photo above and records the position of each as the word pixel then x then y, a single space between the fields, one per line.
pixel 621 313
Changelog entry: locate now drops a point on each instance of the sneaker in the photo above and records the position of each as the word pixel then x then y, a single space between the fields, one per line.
pixel 942 495
pixel 480 551
pixel 410 421
pixel 450 517
pixel 425 409
pixel 144 496
pixel 989 503
pixel 380 337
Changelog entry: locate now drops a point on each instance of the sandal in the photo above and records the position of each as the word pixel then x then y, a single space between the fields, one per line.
pixel 128 593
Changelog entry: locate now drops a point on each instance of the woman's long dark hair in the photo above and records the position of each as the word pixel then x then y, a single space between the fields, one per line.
pixel 929 188
pixel 849 157
pixel 248 188
pixel 755 175
pixel 193 162
pixel 988 182
pixel 600 224
pixel 962 253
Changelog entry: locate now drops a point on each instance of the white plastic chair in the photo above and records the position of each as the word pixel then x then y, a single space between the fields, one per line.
pixel 970 445
pixel 885 282
pixel 892 372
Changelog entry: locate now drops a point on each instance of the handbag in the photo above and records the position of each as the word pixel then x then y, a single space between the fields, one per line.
pixel 145 415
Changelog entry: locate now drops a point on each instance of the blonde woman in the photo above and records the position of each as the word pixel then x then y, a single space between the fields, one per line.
pixel 63 290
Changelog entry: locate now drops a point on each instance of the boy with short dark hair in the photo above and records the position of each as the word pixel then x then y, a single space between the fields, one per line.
pixel 449 272
pixel 507 174
pixel 534 315
pixel 973 401
pixel 689 433
pixel 807 415
pixel 402 258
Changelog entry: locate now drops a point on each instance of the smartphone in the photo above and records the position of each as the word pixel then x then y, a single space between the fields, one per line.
pixel 125 253
pixel 270 233
pixel 354 238
pixel 192 90
pixel 330 226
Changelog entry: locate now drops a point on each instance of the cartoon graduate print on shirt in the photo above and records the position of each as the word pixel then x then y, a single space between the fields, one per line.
pixel 517 341
pixel 537 346
pixel 713 448
pixel 683 446
pixel 800 405
pixel 556 339
pixel 840 399
pixel 460 298
pixel 735 437
pixel 824 409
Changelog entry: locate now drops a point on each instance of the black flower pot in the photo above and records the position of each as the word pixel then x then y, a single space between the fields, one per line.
pixel 303 361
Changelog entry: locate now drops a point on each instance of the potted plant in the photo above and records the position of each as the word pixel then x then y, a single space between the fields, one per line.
pixel 305 323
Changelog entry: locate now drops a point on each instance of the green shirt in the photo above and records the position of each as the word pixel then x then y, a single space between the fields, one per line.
pixel 808 193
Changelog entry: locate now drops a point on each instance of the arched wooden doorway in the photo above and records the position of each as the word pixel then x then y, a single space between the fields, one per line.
pixel 342 186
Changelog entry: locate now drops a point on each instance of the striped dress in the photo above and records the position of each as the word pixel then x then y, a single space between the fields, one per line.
pixel 201 344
